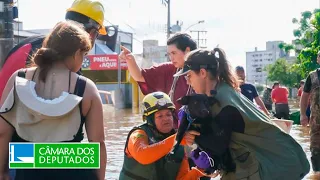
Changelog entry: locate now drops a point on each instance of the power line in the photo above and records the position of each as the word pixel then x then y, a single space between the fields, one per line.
pixel 124 31
pixel 130 26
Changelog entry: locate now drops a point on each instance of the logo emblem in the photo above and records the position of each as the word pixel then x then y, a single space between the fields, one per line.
pixel 21 155
pixel 86 62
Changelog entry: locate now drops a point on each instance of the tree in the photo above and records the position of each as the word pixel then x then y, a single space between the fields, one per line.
pixel 282 71
pixel 286 47
pixel 307 42
pixel 259 88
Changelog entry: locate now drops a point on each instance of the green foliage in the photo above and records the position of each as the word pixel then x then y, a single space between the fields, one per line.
pixel 284 73
pixel 259 88
pixel 306 44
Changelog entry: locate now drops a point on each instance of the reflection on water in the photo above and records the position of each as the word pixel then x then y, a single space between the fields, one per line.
pixel 119 122
pixel 301 134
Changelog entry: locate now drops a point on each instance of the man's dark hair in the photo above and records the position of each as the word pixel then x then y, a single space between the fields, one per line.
pixel 239 68
pixel 182 41
pixel 276 83
pixel 74 16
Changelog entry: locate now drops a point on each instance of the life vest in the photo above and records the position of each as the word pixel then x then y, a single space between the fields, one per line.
pixel 159 170
pixel 264 151
pixel 38 120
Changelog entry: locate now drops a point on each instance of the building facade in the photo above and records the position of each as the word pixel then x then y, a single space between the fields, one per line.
pixel 153 52
pixel 256 62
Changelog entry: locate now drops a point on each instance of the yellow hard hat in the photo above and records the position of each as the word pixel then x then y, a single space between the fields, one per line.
pixel 92 9
pixel 156 101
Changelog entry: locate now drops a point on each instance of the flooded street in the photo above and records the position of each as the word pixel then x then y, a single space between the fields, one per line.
pixel 119 122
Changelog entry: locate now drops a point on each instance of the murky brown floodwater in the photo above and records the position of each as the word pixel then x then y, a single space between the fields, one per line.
pixel 119 122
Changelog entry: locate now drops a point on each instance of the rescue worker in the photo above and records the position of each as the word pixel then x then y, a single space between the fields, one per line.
pixel 148 144
pixel 90 13
pixel 51 103
pixel 311 95
pixel 258 147
pixel 160 77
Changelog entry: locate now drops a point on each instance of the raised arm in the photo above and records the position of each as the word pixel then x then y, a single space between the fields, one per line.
pixel 133 67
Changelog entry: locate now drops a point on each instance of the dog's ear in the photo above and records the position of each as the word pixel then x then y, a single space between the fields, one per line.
pixel 212 100
pixel 183 100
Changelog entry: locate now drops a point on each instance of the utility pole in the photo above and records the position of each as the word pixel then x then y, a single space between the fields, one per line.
pixel 203 40
pixel 168 20
pixel 6 29
pixel 167 4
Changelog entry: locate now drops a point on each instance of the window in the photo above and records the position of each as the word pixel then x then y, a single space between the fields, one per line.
pixel 258 69
pixel 1 7
pixel 1 26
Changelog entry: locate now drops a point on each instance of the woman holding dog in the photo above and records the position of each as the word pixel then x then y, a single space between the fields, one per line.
pixel 147 146
pixel 256 146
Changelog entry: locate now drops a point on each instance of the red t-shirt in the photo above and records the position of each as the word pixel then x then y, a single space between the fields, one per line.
pixel 160 78
pixel 280 95
pixel 300 91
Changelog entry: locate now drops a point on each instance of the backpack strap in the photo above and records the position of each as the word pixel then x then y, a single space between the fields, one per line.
pixel 80 86
pixel 79 91
pixel 22 73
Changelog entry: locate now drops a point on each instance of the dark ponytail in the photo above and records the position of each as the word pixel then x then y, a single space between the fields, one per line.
pixel 44 58
pixel 224 69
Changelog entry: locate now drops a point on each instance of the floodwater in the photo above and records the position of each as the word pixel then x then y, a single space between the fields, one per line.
pixel 119 122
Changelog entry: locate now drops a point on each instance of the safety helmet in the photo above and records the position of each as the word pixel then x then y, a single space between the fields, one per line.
pixel 92 9
pixel 156 101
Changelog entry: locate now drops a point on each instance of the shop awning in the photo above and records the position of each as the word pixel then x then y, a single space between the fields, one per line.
pixel 103 49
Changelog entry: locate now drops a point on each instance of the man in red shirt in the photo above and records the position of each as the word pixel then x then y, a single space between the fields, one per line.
pixel 299 97
pixel 300 89
pixel 279 96
pixel 160 77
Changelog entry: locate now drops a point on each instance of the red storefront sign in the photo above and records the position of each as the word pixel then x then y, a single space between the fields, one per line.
pixel 103 62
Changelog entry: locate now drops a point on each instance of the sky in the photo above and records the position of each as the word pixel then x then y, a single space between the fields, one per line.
pixel 237 26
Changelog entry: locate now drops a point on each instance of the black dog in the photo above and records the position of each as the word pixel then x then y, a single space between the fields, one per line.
pixel 198 117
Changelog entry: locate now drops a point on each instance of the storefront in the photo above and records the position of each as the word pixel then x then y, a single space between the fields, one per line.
pixel 103 70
